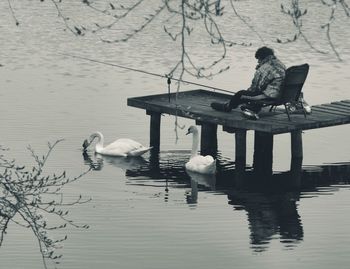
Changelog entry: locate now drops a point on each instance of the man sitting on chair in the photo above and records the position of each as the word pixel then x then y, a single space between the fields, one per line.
pixel 266 85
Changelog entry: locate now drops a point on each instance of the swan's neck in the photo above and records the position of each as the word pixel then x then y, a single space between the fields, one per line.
pixel 195 142
pixel 100 141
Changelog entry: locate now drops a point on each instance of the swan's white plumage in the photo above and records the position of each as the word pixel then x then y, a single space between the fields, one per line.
pixel 201 164
pixel 122 147
pixel 198 163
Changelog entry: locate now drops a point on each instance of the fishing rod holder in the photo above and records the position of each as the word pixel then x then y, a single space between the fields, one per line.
pixel 168 82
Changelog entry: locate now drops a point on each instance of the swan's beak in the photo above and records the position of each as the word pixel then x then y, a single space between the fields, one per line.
pixel 188 132
pixel 86 144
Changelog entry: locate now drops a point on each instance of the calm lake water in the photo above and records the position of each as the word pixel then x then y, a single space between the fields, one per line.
pixel 144 215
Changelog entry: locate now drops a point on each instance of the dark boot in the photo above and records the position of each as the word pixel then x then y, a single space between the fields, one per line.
pixel 225 107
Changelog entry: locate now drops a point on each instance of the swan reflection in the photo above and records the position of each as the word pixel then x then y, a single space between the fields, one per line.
pixel 95 164
pixel 207 180
pixel 96 161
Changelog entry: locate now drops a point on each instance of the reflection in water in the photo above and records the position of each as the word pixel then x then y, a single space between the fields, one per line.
pixel 271 203
pixel 207 180
pixel 96 162
pixel 268 215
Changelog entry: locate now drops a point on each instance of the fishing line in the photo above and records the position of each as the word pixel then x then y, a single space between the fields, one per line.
pixel 145 72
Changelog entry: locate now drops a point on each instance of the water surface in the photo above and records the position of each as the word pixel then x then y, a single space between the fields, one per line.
pixel 144 215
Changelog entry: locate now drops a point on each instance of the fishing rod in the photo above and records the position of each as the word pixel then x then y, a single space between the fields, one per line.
pixel 145 72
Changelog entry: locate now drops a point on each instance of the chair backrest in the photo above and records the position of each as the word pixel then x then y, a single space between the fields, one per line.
pixel 293 82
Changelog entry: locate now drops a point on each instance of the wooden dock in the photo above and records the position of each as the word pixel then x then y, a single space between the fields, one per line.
pixel 195 105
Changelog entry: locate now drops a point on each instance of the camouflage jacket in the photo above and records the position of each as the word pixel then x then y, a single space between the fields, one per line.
pixel 269 76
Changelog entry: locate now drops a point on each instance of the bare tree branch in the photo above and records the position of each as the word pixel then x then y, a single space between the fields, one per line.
pixel 32 195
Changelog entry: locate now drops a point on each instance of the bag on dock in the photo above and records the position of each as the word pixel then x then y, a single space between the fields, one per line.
pixel 299 106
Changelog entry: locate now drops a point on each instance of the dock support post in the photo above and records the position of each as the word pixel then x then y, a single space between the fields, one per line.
pixel 296 144
pixel 209 140
pixel 154 131
pixel 263 154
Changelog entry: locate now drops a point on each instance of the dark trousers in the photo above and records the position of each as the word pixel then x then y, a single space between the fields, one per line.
pixel 236 100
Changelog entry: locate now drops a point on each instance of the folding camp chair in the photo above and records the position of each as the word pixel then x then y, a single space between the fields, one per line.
pixel 291 90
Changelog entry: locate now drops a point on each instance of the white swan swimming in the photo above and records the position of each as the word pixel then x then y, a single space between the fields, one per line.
pixel 198 163
pixel 122 147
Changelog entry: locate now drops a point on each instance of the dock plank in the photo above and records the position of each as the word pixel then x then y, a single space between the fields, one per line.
pixel 341 104
pixel 330 111
pixel 335 108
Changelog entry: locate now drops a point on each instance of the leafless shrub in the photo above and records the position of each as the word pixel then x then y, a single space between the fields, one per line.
pixel 28 196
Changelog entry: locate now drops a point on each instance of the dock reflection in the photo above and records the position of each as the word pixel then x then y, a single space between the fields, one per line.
pixel 270 215
pixel 271 203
